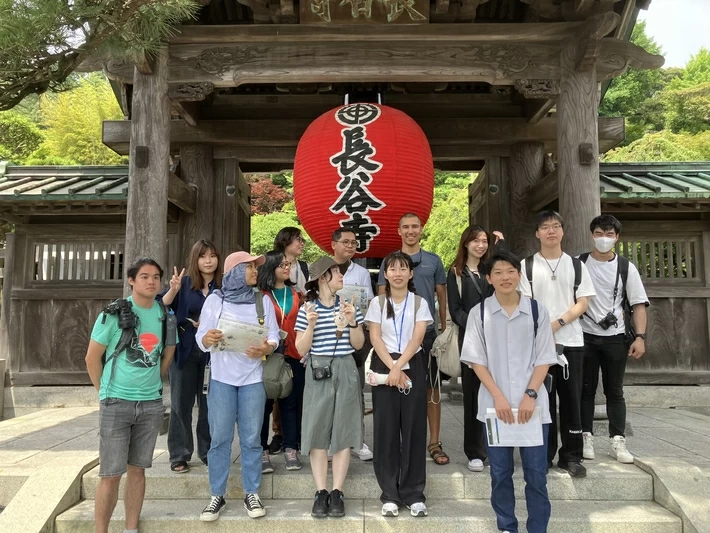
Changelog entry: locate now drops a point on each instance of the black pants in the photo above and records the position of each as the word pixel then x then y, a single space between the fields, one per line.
pixel 400 435
pixel 290 409
pixel 610 354
pixel 473 431
pixel 185 389
pixel 570 393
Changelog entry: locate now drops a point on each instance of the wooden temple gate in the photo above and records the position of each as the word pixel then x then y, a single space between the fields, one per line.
pixel 493 84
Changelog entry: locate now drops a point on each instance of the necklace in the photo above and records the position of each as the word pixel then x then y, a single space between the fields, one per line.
pixel 553 270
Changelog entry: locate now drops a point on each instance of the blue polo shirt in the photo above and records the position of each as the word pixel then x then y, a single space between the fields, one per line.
pixel 187 304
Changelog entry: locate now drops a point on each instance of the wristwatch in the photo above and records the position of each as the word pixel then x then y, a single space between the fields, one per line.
pixel 561 321
pixel 641 336
pixel 532 393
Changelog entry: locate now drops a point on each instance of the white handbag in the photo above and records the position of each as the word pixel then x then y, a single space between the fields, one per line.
pixel 446 345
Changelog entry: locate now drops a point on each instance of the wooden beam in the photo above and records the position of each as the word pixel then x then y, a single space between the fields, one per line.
pixel 188 111
pixel 536 110
pixel 543 192
pixel 286 133
pixel 590 42
pixel 181 194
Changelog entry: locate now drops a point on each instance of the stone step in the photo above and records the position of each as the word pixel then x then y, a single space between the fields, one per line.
pixel 606 480
pixel 445 516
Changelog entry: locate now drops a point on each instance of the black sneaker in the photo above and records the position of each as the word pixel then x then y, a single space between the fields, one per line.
pixel 275 444
pixel 253 505
pixel 211 512
pixel 574 469
pixel 336 504
pixel 320 504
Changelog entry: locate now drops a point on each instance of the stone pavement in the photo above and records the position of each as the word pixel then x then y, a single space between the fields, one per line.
pixel 30 442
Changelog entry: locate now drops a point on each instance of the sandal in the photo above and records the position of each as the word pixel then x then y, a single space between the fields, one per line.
pixel 180 467
pixel 438 454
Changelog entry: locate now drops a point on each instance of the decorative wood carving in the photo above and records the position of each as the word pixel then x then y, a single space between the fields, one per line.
pixel 590 42
pixel 616 56
pixel 538 88
pixel 364 11
pixel 190 92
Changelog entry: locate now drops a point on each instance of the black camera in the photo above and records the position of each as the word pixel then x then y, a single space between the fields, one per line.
pixel 608 321
pixel 322 372
pixel 122 308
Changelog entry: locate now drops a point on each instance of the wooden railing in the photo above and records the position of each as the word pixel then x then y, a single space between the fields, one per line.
pixel 76 261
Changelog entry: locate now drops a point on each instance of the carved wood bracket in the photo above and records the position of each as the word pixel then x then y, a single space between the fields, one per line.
pixel 538 88
pixel 190 92
pixel 590 41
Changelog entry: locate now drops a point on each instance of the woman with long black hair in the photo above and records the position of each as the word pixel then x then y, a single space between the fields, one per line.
pixel 186 296
pixel 274 280
pixel 466 287
pixel 398 322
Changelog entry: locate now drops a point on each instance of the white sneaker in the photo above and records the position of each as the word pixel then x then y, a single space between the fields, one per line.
pixel 390 509
pixel 619 451
pixel 475 465
pixel 418 510
pixel 364 453
pixel 588 450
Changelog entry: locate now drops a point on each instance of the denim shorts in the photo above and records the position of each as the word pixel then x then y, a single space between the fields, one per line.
pixel 128 431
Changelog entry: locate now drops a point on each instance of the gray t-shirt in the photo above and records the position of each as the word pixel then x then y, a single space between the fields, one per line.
pixel 428 273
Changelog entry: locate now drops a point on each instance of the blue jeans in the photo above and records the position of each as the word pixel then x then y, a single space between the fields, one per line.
pixel 535 473
pixel 244 406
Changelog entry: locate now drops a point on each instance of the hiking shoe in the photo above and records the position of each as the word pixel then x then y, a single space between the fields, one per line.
pixel 266 467
pixel 275 444
pixel 211 512
pixel 336 504
pixel 588 450
pixel 475 465
pixel 253 505
pixel 320 504
pixel 364 453
pixel 619 451
pixel 292 461
pixel 418 510
pixel 390 509
pixel 574 469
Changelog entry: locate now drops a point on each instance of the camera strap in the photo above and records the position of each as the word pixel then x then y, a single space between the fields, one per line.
pixel 583 258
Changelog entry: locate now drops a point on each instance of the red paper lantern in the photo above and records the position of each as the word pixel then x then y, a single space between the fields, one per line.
pixel 362 166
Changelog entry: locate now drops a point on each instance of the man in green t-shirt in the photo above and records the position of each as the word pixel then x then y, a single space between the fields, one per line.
pixel 130 393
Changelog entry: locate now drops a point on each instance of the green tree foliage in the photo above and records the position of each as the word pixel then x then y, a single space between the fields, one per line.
pixel 19 137
pixel 73 120
pixel 449 217
pixel 688 109
pixel 696 71
pixel 664 146
pixel 43 41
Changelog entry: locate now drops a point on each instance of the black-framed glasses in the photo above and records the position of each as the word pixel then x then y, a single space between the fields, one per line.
pixel 299 239
pixel 348 244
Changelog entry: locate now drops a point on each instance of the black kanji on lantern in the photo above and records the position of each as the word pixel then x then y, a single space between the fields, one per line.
pixel 356 169
pixel 357 114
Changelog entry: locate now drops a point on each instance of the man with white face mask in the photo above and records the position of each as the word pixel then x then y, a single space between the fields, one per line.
pixel 608 341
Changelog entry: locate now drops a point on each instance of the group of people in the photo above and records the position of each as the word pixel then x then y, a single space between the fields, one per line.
pixel 527 339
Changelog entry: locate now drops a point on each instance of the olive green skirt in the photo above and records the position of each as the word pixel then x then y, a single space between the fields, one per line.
pixel 332 409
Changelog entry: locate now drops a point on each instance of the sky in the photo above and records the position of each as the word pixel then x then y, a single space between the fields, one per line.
pixel 681 27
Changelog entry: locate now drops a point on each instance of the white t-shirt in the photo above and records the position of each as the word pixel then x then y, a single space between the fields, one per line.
pixel 603 274
pixel 397 332
pixel 558 295
pixel 235 368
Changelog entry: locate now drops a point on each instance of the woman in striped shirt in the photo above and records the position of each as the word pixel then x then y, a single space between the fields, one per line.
pixel 331 330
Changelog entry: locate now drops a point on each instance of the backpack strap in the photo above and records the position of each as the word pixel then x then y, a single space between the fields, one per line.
pixel 417 305
pixel 535 315
pixel 529 262
pixel 577 264
pixel 583 257
pixel 624 272
pixel 304 268
pixel 259 300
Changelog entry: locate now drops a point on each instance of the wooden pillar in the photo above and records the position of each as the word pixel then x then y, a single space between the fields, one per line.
pixel 148 167
pixel 197 170
pixel 524 169
pixel 8 272
pixel 577 150
pixel 498 194
pixel 232 208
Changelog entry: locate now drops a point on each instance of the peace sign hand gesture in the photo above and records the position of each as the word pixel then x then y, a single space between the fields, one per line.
pixel 176 280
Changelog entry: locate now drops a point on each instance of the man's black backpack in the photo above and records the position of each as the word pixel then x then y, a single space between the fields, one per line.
pixel 622 271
